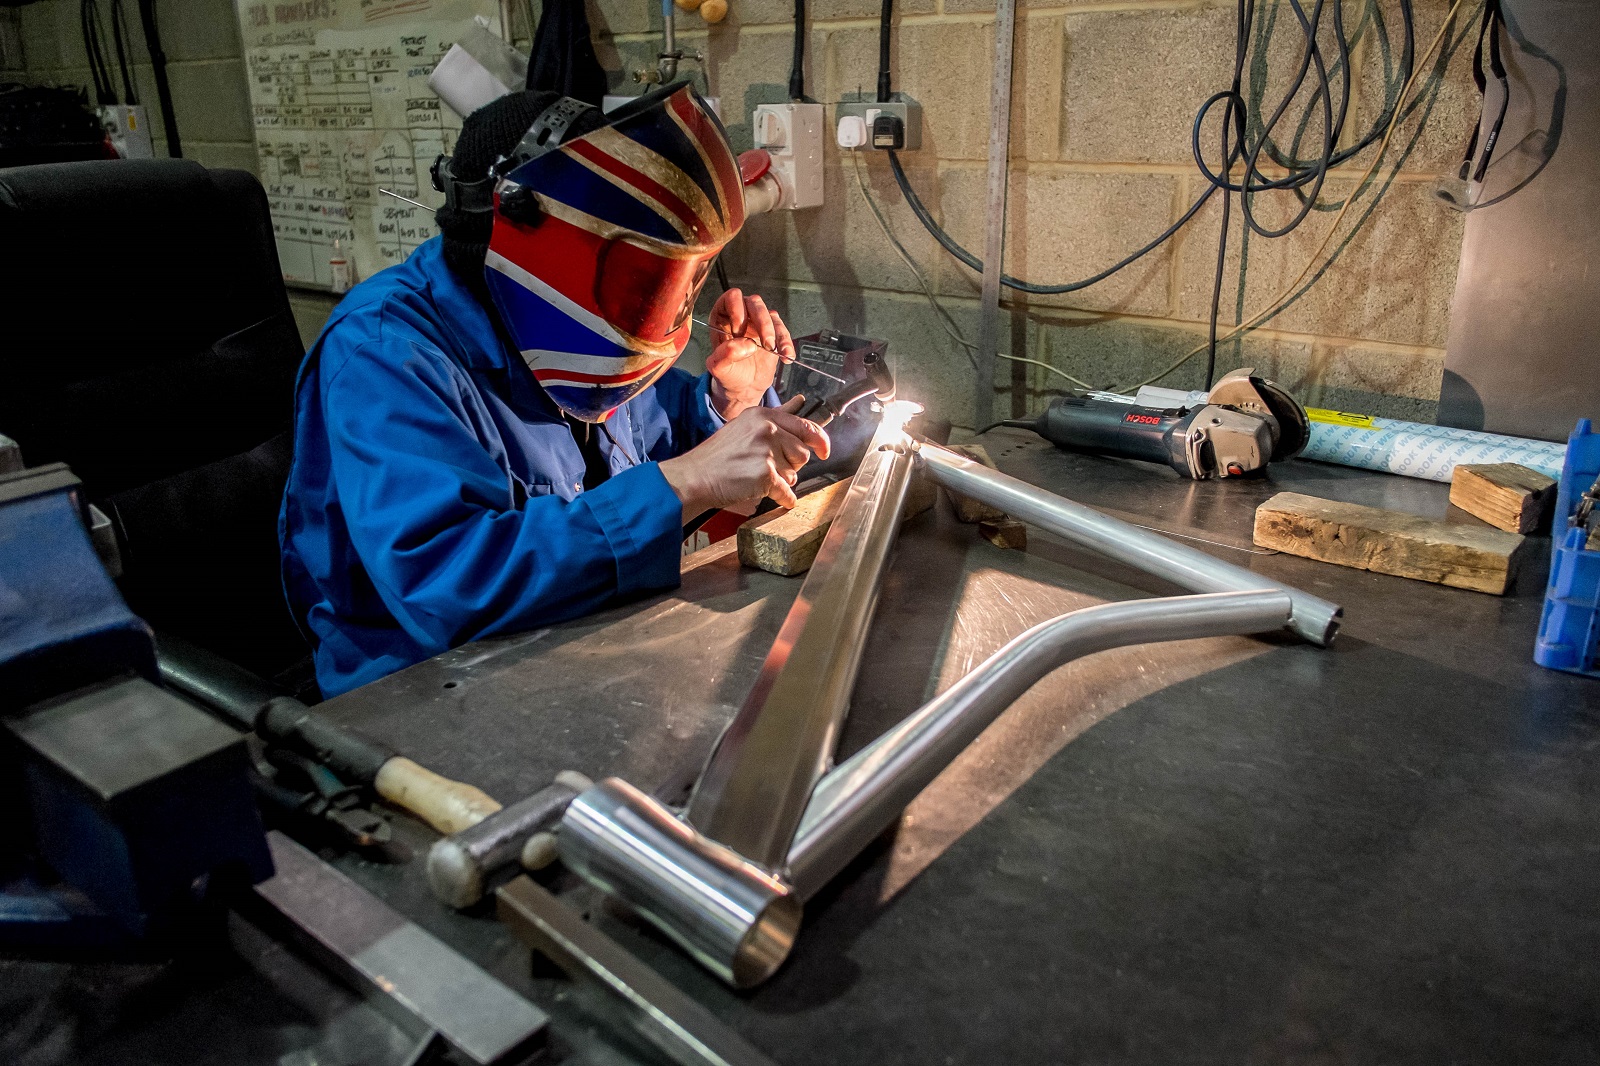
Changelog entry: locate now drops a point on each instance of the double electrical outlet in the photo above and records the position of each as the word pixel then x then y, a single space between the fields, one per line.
pixel 792 135
pixel 866 122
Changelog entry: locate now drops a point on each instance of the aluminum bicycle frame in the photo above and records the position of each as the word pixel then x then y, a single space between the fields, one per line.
pixel 768 824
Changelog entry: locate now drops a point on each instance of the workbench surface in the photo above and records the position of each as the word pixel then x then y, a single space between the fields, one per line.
pixel 1226 850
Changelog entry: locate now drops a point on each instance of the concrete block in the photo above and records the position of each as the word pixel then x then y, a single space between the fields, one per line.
pixel 1370 381
pixel 947 67
pixel 781 13
pixel 1432 138
pixel 841 242
pixel 620 59
pixel 954 108
pixel 63 77
pixel 745 70
pixel 1393 281
pixel 609 17
pixel 1119 354
pixel 1065 226
pixel 51 38
pixel 11 58
pixel 746 13
pixel 194 29
pixel 231 156
pixel 1134 80
pixel 210 98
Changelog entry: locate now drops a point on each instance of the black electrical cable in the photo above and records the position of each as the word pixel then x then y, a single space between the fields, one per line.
pixel 158 63
pixel 1232 123
pixel 797 65
pixel 1009 423
pixel 119 34
pixel 1251 182
pixel 94 47
pixel 1491 27
pixel 885 87
pixel 920 209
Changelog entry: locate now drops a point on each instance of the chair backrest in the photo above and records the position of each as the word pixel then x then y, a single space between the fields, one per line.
pixel 146 340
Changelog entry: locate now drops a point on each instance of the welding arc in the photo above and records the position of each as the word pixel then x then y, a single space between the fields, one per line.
pixel 1250 182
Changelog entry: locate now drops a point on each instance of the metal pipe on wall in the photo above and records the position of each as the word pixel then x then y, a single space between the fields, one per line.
pixel 1313 618
pixel 868 791
pixel 1005 32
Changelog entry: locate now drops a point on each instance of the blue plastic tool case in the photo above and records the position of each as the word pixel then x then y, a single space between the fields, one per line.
pixel 1569 630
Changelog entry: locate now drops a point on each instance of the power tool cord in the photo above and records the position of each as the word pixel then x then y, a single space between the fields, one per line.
pixel 1293 291
pixel 797 64
pixel 1251 182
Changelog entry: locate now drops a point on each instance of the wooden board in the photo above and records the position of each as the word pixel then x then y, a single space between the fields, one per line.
pixel 1508 496
pixel 1389 542
pixel 968 509
pixel 787 542
pixel 1005 533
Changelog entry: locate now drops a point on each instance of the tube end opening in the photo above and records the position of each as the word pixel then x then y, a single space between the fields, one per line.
pixel 768 943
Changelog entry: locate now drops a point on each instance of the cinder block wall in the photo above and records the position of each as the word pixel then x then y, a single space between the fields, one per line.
pixel 205 67
pixel 1105 94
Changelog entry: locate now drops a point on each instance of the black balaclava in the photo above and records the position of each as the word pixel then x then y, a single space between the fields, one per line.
pixel 488 133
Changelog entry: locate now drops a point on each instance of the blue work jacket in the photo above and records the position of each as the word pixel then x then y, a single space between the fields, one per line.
pixel 437 495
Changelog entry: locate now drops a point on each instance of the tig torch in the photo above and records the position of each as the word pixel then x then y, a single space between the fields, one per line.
pixel 877 382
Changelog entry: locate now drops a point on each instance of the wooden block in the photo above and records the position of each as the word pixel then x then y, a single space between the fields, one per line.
pixel 969 510
pixel 787 542
pixel 1508 496
pixel 1006 533
pixel 1389 542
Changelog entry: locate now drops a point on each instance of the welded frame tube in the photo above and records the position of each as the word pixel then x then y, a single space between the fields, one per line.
pixel 1313 618
pixel 867 792
pixel 760 776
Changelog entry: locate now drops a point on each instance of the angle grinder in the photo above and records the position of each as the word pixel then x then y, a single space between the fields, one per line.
pixel 1244 423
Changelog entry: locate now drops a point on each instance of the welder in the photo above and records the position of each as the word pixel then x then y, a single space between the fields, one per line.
pixel 491 436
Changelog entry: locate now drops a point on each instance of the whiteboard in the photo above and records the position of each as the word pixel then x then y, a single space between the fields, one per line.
pixel 341 105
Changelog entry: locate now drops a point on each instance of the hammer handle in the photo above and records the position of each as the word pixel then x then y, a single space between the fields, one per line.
pixel 449 806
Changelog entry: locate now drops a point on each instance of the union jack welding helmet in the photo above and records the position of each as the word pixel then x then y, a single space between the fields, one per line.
pixel 601 243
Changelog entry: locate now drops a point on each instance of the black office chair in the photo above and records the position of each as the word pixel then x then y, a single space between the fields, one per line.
pixel 147 341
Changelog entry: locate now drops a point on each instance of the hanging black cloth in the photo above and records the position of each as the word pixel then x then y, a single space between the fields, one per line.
pixel 562 58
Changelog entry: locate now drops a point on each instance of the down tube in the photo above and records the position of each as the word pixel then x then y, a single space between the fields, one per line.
pixel 867 792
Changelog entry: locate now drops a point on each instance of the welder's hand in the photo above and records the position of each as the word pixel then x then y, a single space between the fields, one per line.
pixel 750 340
pixel 755 455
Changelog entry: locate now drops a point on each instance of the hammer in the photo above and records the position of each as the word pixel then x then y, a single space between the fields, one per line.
pixel 251 704
pixel 461 865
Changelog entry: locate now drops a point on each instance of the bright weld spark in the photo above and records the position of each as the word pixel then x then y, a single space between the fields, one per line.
pixel 896 413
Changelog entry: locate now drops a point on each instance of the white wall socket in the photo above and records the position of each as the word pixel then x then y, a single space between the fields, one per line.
pixel 792 135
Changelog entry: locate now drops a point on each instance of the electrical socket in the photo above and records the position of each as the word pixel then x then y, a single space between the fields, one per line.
pixel 903 107
pixel 792 135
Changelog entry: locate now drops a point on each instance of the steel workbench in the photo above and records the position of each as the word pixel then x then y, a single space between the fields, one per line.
pixel 1219 851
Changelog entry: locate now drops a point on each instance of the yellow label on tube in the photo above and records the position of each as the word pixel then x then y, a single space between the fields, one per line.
pixel 1339 418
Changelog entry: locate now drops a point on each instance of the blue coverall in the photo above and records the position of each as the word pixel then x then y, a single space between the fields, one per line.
pixel 437 495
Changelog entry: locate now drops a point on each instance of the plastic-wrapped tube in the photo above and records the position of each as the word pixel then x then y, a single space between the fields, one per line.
pixel 1415 449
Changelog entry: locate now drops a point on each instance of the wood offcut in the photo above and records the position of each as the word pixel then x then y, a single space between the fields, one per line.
pixel 969 510
pixel 1508 496
pixel 786 542
pixel 1389 542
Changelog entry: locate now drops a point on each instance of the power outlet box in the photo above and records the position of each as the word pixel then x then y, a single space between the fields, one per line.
pixel 792 135
pixel 867 108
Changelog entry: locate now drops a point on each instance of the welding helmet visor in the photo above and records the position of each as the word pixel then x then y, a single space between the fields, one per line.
pixel 601 244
